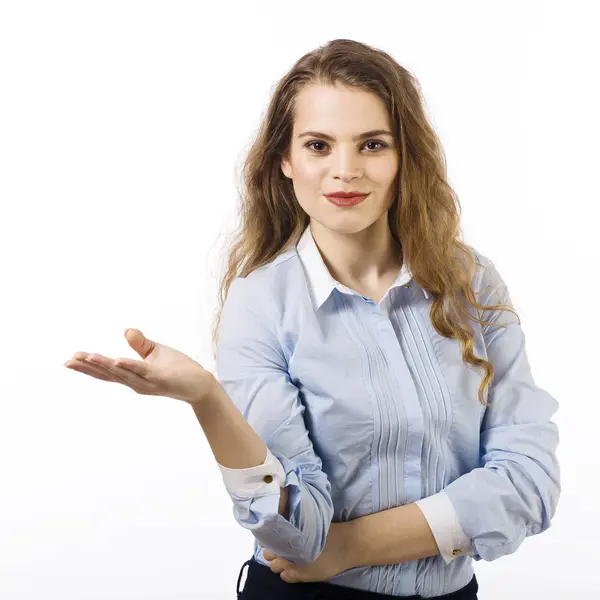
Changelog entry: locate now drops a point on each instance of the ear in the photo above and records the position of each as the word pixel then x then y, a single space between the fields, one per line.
pixel 286 167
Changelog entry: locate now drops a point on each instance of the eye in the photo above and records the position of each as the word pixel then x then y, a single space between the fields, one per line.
pixel 382 144
pixel 310 144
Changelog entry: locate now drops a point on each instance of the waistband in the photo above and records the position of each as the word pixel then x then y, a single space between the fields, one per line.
pixel 260 577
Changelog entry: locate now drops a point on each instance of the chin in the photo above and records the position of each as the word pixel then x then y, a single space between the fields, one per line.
pixel 346 225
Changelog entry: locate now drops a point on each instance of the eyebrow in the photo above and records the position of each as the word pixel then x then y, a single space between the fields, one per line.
pixel 360 136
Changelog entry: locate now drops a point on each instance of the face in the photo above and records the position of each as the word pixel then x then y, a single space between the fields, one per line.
pixel 344 161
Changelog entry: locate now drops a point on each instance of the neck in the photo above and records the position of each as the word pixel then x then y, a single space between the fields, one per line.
pixel 365 257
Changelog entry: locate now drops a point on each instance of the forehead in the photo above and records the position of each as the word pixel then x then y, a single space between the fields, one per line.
pixel 339 109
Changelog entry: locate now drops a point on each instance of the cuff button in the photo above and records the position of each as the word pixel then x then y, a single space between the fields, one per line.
pixel 267 478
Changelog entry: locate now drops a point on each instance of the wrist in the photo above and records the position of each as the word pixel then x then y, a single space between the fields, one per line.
pixel 208 390
pixel 351 550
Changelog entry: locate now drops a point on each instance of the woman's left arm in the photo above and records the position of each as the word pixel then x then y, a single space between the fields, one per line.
pixel 514 492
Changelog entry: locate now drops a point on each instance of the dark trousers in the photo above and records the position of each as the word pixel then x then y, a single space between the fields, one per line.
pixel 262 584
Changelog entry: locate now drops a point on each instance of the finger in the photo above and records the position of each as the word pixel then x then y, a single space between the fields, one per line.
pixel 268 554
pixel 81 367
pixel 138 367
pixel 98 369
pixel 289 577
pixel 277 565
pixel 121 366
pixel 122 374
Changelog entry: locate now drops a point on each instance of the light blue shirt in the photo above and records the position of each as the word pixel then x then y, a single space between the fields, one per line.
pixel 366 407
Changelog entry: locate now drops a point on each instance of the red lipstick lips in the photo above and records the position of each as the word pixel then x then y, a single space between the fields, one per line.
pixel 345 198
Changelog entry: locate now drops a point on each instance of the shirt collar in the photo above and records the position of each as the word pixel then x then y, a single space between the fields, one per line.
pixel 320 280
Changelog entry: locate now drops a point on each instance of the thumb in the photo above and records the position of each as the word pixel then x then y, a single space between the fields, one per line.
pixel 141 344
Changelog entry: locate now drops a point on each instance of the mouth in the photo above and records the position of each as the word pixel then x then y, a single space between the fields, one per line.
pixel 346 201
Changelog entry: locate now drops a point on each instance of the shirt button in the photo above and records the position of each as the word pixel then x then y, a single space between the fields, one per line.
pixel 267 478
pixel 456 552
pixel 407 285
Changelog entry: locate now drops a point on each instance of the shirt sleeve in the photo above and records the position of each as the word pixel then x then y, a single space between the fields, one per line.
pixel 443 521
pixel 514 492
pixel 267 478
pixel 252 369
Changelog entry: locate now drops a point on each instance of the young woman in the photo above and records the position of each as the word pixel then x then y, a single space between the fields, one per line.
pixel 373 411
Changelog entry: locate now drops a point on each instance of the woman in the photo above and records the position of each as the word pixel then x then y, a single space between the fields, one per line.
pixel 374 416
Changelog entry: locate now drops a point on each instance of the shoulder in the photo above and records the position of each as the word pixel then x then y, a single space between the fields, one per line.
pixel 485 270
pixel 268 286
pixel 256 305
pixel 488 284
pixel 480 259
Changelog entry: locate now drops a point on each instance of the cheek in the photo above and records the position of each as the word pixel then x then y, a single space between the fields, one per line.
pixel 308 173
pixel 385 170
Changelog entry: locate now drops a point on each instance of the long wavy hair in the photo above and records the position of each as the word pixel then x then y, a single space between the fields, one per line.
pixel 424 218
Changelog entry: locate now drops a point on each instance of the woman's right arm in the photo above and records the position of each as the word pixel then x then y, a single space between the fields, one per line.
pixel 252 371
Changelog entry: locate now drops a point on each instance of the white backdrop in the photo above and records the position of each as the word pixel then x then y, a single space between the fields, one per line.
pixel 122 130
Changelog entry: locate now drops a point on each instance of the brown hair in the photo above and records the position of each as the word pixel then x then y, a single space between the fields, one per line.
pixel 425 222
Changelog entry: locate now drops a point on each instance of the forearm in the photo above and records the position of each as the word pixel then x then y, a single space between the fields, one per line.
pixel 233 441
pixel 391 536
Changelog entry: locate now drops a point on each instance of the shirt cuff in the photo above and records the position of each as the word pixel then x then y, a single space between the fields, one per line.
pixel 447 531
pixel 254 482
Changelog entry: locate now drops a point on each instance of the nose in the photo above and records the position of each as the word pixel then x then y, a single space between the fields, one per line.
pixel 346 165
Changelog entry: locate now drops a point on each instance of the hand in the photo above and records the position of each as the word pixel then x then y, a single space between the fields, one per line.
pixel 334 559
pixel 163 372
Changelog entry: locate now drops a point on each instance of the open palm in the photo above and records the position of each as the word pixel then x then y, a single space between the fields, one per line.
pixel 163 371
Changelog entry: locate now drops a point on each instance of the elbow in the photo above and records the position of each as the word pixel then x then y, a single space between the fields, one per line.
pixel 297 522
pixel 546 488
pixel 318 546
pixel 490 553
pixel 302 553
pixel 316 541
pixel 310 553
pixel 548 506
pixel 310 512
pixel 532 521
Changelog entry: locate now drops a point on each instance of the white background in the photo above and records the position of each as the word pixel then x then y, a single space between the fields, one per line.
pixel 122 129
